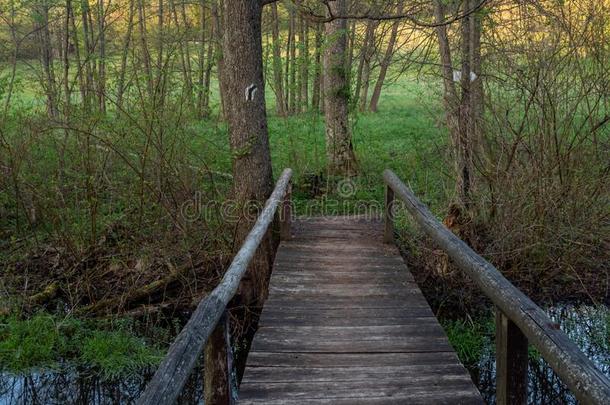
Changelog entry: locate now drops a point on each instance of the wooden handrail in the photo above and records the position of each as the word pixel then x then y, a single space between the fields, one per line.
pixel 169 379
pixel 518 314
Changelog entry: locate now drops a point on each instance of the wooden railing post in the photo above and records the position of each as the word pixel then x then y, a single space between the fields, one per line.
pixel 286 215
pixel 218 365
pixel 511 362
pixel 388 234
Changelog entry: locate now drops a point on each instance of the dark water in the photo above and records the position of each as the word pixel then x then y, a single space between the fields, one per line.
pixel 72 386
pixel 588 326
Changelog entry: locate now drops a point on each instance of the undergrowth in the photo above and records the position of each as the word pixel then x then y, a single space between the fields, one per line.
pixel 44 341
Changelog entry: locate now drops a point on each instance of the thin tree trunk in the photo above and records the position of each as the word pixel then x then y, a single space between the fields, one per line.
pixel 145 49
pixel 292 57
pixel 88 47
pixel 476 87
pixel 280 103
pixel 183 52
pixel 219 32
pixel 369 52
pixel 364 55
pixel 101 80
pixel 201 59
pixel 304 105
pixel 385 63
pixel 46 59
pixel 464 151
pixel 339 148
pixel 317 82
pixel 66 57
pixel 124 54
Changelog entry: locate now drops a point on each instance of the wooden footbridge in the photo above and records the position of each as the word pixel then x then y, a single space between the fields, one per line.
pixel 345 322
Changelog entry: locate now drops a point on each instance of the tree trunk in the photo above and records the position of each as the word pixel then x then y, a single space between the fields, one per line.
pixel 242 80
pixel 101 75
pixel 145 51
pixel 304 105
pixel 292 62
pixel 124 54
pixel 385 64
pixel 317 82
pixel 369 52
pixel 280 104
pixel 464 124
pixel 339 148
pixel 46 59
pixel 364 64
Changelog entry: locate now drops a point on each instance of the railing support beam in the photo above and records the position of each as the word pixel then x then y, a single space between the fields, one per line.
pixel 511 362
pixel 218 365
pixel 388 234
pixel 286 215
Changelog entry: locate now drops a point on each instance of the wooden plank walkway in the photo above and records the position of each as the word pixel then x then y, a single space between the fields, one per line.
pixel 345 323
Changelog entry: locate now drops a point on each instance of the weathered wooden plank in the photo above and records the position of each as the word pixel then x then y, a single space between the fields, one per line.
pixel 348 360
pixel 511 362
pixel 380 344
pixel 425 386
pixel 264 375
pixel 346 323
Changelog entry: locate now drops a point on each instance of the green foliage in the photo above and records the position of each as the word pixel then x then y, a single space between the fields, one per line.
pixel 470 339
pixel 44 341
pixel 31 343
pixel 116 353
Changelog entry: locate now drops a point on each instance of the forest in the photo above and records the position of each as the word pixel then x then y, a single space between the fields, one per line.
pixel 140 140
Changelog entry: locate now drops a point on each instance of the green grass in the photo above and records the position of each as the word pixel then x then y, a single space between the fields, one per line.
pixel 470 338
pixel 404 135
pixel 46 341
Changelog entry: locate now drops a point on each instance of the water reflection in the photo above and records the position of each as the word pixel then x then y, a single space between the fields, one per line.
pixel 73 386
pixel 587 326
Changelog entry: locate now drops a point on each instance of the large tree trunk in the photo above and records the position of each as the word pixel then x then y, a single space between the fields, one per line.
pixel 339 148
pixel 385 63
pixel 245 111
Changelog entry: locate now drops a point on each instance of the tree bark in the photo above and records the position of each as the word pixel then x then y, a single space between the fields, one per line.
pixel 242 77
pixel 385 64
pixel 245 110
pixel 368 52
pixel 124 54
pixel 339 148
pixel 364 64
pixel 280 103
pixel 465 119
pixel 291 74
pixel 317 82
pixel 101 75
pixel 304 71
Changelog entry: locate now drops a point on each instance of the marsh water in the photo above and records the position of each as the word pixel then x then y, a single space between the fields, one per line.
pixel 587 326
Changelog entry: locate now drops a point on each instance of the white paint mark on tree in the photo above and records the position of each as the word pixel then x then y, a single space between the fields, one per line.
pixel 251 92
